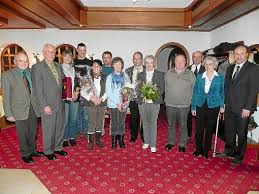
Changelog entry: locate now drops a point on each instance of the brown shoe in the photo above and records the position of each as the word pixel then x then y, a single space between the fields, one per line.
pixel 91 142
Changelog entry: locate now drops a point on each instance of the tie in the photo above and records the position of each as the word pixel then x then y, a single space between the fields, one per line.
pixel 196 70
pixel 26 82
pixel 54 72
pixel 235 74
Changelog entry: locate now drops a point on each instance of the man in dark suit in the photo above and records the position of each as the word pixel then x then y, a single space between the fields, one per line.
pixel 47 83
pixel 20 106
pixel 197 68
pixel 135 125
pixel 240 102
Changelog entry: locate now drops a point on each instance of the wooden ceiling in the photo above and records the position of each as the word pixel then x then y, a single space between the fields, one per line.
pixel 201 15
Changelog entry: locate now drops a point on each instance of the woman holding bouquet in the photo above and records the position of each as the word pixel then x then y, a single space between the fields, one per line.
pixel 95 101
pixel 151 89
pixel 71 105
pixel 114 83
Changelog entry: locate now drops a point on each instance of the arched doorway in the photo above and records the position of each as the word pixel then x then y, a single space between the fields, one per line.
pixel 7 56
pixel 63 47
pixel 165 55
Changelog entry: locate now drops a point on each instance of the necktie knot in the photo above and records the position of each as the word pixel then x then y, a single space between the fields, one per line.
pixel 236 72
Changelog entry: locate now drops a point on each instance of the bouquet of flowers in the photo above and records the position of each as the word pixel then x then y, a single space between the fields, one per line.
pixel 149 91
pixel 126 93
pixel 86 85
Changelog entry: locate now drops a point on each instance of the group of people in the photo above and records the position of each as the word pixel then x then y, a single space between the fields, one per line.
pixel 195 92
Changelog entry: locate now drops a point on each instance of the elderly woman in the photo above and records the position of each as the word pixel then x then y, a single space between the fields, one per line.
pixel 207 101
pixel 114 83
pixel 96 105
pixel 71 106
pixel 149 109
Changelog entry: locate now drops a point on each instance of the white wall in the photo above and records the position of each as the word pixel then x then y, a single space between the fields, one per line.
pixel 120 43
pixel 245 28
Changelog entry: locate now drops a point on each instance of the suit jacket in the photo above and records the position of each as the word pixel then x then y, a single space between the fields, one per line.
pixel 215 96
pixel 48 91
pixel 201 70
pixel 129 72
pixel 242 92
pixel 158 79
pixel 16 98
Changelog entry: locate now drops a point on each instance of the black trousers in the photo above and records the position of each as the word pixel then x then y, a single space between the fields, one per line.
pixel 135 126
pixel 27 133
pixel 206 119
pixel 189 123
pixel 235 125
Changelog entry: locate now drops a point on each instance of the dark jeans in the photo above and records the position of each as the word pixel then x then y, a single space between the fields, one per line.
pixel 135 125
pixel 235 124
pixel 206 119
pixel 117 121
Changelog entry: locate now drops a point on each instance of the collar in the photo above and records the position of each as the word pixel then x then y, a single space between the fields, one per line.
pixel 204 75
pixel 179 72
pixel 240 65
pixel 199 65
pixel 20 71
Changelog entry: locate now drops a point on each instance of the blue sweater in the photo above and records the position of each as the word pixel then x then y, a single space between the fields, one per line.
pixel 215 96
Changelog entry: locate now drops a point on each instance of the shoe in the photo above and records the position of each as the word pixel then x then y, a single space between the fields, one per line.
pixel 132 140
pixel 72 142
pixel 236 162
pixel 205 155
pixel 28 159
pixel 142 138
pixel 37 154
pixel 91 142
pixel 145 146
pixel 65 143
pixel 169 146
pixel 181 149
pixel 225 155
pixel 114 142
pixel 61 153
pixel 197 153
pixel 121 141
pixel 51 156
pixel 153 149
pixel 98 138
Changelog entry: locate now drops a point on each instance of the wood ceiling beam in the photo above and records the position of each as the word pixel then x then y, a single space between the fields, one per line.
pixel 3 21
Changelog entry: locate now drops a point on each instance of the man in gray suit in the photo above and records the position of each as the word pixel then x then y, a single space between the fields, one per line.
pixel 20 106
pixel 47 83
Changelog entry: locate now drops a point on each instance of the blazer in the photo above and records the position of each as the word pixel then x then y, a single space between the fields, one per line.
pixel 16 98
pixel 158 79
pixel 129 72
pixel 242 92
pixel 215 96
pixel 201 70
pixel 48 91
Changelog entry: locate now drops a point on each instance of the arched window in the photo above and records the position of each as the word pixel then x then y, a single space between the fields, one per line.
pixel 7 56
pixel 165 55
pixel 63 47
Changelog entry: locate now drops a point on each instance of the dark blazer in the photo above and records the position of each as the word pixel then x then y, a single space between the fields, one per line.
pixel 76 85
pixel 16 98
pixel 242 92
pixel 158 79
pixel 201 70
pixel 47 90
pixel 215 96
pixel 103 83
pixel 129 72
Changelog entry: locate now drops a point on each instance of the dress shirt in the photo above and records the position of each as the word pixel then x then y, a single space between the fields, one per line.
pixel 208 81
pixel 235 69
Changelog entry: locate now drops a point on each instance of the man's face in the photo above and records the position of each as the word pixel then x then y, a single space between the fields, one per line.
pixel 240 55
pixel 49 54
pixel 180 63
pixel 137 60
pixel 106 59
pixel 197 58
pixel 21 61
pixel 81 50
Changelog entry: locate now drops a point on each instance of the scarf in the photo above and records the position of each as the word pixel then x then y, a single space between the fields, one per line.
pixel 118 79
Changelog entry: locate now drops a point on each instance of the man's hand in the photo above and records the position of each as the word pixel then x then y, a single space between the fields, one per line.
pixel 245 113
pixel 119 107
pixel 98 101
pixel 47 110
pixel 194 113
pixel 221 110
pixel 11 119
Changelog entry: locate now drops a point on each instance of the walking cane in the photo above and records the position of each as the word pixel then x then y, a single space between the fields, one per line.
pixel 216 137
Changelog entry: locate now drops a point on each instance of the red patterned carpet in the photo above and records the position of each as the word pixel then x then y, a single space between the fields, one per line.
pixel 133 170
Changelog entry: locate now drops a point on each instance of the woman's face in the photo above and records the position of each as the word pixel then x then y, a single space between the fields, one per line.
pixel 117 67
pixel 209 66
pixel 96 68
pixel 150 65
pixel 67 59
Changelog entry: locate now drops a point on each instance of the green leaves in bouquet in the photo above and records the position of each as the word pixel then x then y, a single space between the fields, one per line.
pixel 149 91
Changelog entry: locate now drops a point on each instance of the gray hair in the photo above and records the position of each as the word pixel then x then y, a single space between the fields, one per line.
pixel 47 45
pixel 149 58
pixel 210 60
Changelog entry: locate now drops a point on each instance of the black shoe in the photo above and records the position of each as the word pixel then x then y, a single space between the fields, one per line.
pixel 114 142
pixel 132 140
pixel 197 153
pixel 72 142
pixel 169 146
pixel 181 149
pixel 51 156
pixel 28 159
pixel 205 155
pixel 236 162
pixel 37 154
pixel 65 143
pixel 61 153
pixel 142 138
pixel 121 141
pixel 225 155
